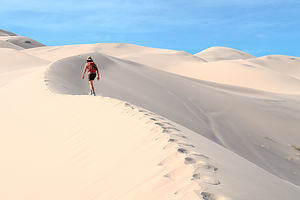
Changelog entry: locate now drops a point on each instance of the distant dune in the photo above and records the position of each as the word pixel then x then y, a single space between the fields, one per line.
pixel 222 53
pixel 165 124
pixel 6 33
pixel 286 65
pixel 5 44
pixel 21 41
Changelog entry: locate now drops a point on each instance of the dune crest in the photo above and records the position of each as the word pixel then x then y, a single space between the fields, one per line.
pixel 222 53
pixel 6 33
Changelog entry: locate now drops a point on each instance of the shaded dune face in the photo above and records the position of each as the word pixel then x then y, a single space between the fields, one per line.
pixel 22 41
pixel 5 44
pixel 240 119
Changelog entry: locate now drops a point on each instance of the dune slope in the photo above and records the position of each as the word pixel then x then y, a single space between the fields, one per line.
pixel 262 127
pixel 129 153
pixel 83 147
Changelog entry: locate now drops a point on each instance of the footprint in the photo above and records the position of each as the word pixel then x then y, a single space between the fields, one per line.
pixel 200 156
pixel 196 176
pixel 128 105
pixel 172 140
pixel 208 196
pixel 159 124
pixel 167 176
pixel 211 167
pixel 187 145
pixel 189 160
pixel 166 131
pixel 182 150
pixel 173 128
pixel 146 113
pixel 204 165
pixel 168 123
pixel 180 136
pixel 206 179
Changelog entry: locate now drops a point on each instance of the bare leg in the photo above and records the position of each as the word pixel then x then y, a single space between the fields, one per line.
pixel 92 86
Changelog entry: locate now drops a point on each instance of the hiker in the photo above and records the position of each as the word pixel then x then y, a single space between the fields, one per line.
pixel 92 69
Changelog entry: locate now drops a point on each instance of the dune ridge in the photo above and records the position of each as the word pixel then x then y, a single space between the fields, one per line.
pixel 6 33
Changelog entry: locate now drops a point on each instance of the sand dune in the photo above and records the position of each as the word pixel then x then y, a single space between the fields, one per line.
pixel 227 115
pixel 286 65
pixel 222 53
pixel 6 33
pixel 5 44
pixel 21 41
pixel 243 72
pixel 55 151
pixel 10 63
pixel 15 63
pixel 160 58
pixel 166 126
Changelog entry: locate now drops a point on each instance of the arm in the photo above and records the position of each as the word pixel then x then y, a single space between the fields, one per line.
pixel 98 76
pixel 84 71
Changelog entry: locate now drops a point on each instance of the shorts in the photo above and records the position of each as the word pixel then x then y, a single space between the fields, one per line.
pixel 92 76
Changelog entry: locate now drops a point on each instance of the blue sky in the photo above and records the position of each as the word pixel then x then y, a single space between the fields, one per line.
pixel 258 27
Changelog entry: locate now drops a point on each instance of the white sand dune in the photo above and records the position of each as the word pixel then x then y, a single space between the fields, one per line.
pixel 5 44
pixel 67 145
pixel 160 58
pixel 14 63
pixel 222 53
pixel 80 147
pixel 286 65
pixel 10 63
pixel 239 119
pixel 21 41
pixel 243 72
pixel 6 33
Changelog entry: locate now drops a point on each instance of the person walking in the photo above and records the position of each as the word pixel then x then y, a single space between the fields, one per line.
pixel 92 72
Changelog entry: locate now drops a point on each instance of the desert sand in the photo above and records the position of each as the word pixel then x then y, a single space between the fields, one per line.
pixel 165 124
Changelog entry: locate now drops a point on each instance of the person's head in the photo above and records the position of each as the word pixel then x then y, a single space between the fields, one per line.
pixel 89 59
